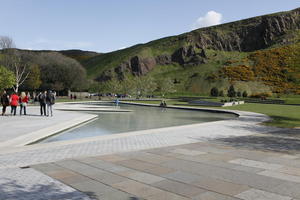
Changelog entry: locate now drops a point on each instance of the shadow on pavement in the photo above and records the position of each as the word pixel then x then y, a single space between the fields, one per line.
pixel 264 143
pixel 10 189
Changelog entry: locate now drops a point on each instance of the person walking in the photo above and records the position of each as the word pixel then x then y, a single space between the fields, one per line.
pixel 14 101
pixel 4 102
pixel 50 101
pixel 42 100
pixel 23 102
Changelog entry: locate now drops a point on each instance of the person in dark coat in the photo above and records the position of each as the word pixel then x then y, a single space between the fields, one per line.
pixel 50 101
pixel 42 100
pixel 4 102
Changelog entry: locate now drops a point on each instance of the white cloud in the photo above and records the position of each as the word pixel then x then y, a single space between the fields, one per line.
pixel 210 19
pixel 122 48
pixel 42 43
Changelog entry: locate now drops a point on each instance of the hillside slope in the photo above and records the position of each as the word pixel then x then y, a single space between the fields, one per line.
pixel 197 60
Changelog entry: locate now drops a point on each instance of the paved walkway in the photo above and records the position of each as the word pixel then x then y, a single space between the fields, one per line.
pixel 14 128
pixel 199 171
pixel 28 182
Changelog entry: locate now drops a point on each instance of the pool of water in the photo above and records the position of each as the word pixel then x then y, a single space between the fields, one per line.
pixel 142 118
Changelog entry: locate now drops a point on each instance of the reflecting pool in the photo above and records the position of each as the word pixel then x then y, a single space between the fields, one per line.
pixel 141 118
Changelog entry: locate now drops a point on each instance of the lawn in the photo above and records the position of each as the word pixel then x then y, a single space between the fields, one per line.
pixel 287 116
pixel 282 115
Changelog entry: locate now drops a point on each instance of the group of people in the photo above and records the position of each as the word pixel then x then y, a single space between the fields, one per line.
pixel 45 99
pixel 163 104
pixel 14 101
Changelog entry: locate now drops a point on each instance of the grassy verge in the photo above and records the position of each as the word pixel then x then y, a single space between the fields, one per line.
pixel 282 115
pixel 286 116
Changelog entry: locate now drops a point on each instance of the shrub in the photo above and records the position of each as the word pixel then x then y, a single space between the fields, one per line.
pixel 214 92
pixel 261 95
pixel 245 94
pixel 231 92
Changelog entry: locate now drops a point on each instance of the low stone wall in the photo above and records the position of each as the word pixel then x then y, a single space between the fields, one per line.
pixel 234 103
pixel 216 104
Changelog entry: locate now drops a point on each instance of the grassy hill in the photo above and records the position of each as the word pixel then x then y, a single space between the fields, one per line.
pixel 259 54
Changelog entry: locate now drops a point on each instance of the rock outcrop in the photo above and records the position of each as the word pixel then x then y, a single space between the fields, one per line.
pixel 190 55
pixel 247 35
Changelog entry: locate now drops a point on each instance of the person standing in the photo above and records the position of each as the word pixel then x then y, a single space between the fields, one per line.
pixel 42 100
pixel 23 102
pixel 50 101
pixel 4 102
pixel 14 101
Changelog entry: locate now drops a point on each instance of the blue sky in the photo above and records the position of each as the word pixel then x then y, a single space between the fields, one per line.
pixel 109 25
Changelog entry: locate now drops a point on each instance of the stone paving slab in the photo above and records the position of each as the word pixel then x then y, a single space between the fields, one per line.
pixel 213 196
pixel 31 184
pixel 280 175
pixel 179 188
pixel 287 189
pixel 254 194
pixel 168 175
pixel 256 164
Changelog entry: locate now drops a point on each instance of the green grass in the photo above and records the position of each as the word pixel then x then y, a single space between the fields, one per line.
pixel 291 99
pixel 282 115
pixel 286 116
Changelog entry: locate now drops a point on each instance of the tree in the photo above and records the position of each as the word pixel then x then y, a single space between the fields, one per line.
pixel 141 85
pixel 7 78
pixel 6 42
pixel 114 85
pixel 148 85
pixel 245 94
pixel 12 60
pixel 165 86
pixel 214 92
pixel 20 71
pixel 127 85
pixel 33 81
pixel 238 94
pixel 98 88
pixel 60 72
pixel 231 91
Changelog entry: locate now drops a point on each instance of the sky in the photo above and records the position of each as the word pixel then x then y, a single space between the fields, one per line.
pixel 108 25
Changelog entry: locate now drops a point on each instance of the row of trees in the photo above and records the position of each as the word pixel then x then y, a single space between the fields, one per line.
pixel 38 70
pixel 134 86
pixel 230 92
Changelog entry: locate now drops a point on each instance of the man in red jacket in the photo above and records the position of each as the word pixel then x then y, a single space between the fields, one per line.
pixel 14 101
